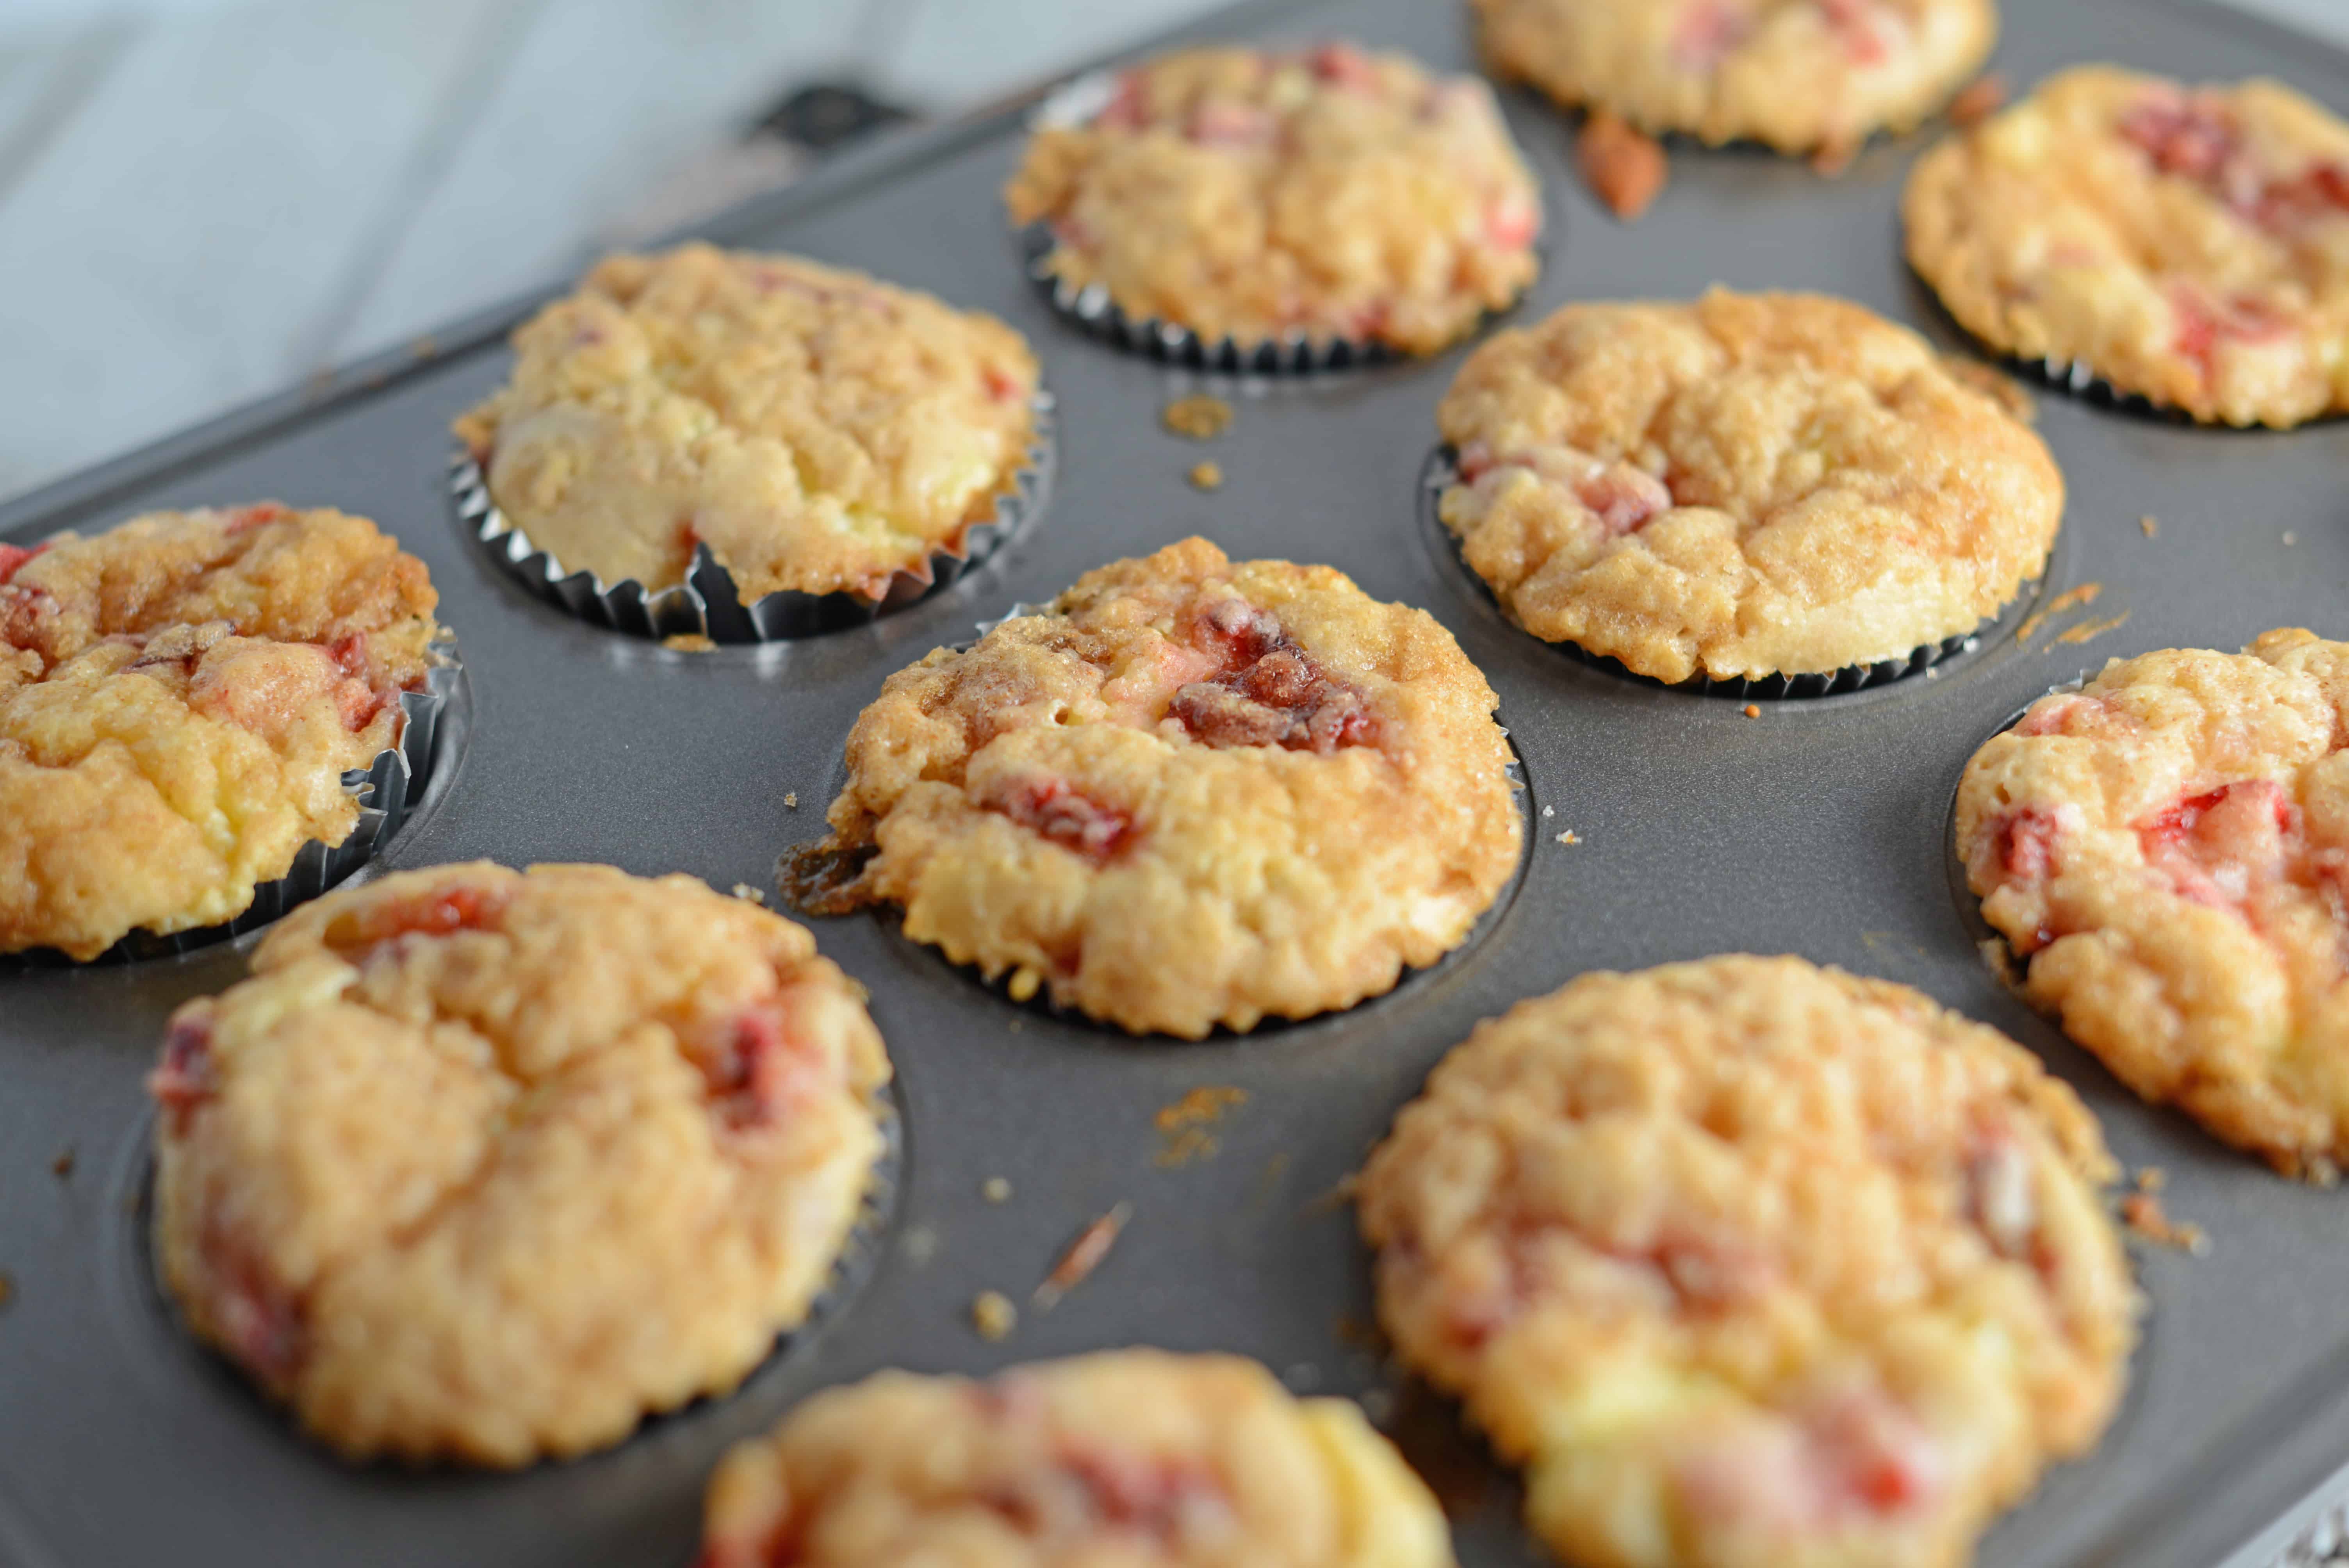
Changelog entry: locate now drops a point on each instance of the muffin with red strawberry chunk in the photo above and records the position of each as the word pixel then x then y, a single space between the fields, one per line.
pixel 1756 1264
pixel 1327 194
pixel 1192 792
pixel 483 1165
pixel 2167 852
pixel 819 431
pixel 1131 1458
pixel 180 698
pixel 1802 75
pixel 2186 244
pixel 1745 487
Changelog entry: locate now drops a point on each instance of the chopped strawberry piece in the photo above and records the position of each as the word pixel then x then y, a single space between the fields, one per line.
pixel 1624 496
pixel 13 556
pixel 357 696
pixel 1058 810
pixel 1856 22
pixel 23 614
pixel 2025 844
pixel 1269 691
pixel 464 907
pixel 1145 1494
pixel 1345 66
pixel 1873 1454
pixel 1511 222
pixel 1127 109
pixel 760 1063
pixel 2205 324
pixel 1002 385
pixel 2054 716
pixel 245 518
pixel 1240 126
pixel 1709 32
pixel 184 1079
pixel 2194 137
pixel 259 1320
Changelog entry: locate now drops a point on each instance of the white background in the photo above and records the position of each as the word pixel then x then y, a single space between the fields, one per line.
pixel 205 200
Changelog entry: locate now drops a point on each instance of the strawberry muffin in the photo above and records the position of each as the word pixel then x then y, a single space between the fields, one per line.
pixel 1132 1458
pixel 180 698
pixel 1756 1264
pixel 2189 245
pixel 2167 850
pixel 819 431
pixel 1802 75
pixel 483 1165
pixel 1328 195
pixel 1750 486
pixel 1193 791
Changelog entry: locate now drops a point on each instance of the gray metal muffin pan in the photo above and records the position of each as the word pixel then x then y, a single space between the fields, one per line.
pixel 1820 827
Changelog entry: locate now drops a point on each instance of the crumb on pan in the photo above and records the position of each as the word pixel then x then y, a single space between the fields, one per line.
pixel 992 1314
pixel 7 1288
pixel 995 1190
pixel 791 802
pixel 1206 476
pixel 748 894
pixel 2289 538
pixel 1084 1255
pixel 2144 1215
pixel 1200 417
pixel 1625 167
pixel 62 1166
pixel 1753 710
pixel 2079 597
pixel 2151 1179
pixel 2149 525
pixel 1569 837
pixel 1184 1124
pixel 2087 629
pixel 689 643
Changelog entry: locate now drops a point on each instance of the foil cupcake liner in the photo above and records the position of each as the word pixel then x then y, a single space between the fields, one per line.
pixel 1442 472
pixel 386 789
pixel 1092 309
pixel 705 603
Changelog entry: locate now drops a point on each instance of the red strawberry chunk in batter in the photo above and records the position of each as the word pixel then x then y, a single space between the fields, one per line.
pixel 1127 109
pixel 1058 810
pixel 2195 137
pixel 184 1079
pixel 357 697
pixel 1708 34
pixel 259 1320
pixel 1167 1499
pixel 1852 1456
pixel 245 518
pixel 1346 66
pixel 13 556
pixel 2025 844
pixel 443 913
pixel 1856 21
pixel 2226 848
pixel 2205 324
pixel 1270 691
pixel 1511 222
pixel 760 1063
pixel 1239 127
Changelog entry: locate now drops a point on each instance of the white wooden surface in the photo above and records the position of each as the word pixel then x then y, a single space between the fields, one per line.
pixel 205 200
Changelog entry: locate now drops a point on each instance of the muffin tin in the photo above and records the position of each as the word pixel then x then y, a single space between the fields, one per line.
pixel 1821 828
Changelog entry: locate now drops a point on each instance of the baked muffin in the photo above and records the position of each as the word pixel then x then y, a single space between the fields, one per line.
pixel 2166 850
pixel 1748 486
pixel 1754 1264
pixel 1193 791
pixel 2187 244
pixel 1330 195
pixel 1131 1457
pixel 1803 76
pixel 179 696
pixel 819 431
pixel 483 1166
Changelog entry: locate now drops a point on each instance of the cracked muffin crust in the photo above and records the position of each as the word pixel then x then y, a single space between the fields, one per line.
pixel 1754 1264
pixel 1332 193
pixel 2188 244
pixel 1750 485
pixel 179 696
pixel 1192 792
pixel 484 1165
pixel 1129 1457
pixel 2167 850
pixel 1802 75
pixel 818 430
